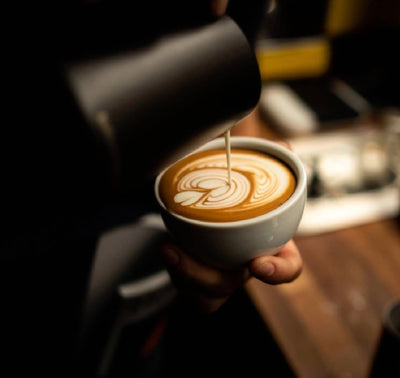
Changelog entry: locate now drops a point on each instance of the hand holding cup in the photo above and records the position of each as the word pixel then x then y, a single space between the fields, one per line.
pixel 232 243
pixel 209 284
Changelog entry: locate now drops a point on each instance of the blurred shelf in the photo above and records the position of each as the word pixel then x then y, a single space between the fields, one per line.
pixel 352 179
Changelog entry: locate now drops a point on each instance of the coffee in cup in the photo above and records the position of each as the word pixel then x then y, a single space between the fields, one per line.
pixel 198 186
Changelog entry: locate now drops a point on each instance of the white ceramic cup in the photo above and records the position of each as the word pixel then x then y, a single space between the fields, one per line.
pixel 230 245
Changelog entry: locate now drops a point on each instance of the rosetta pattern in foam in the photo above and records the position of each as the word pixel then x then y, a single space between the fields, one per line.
pixel 256 180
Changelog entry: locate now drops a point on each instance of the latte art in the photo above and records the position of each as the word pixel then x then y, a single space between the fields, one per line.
pixel 208 188
pixel 197 186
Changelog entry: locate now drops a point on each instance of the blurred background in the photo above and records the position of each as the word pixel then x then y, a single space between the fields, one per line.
pixel 330 76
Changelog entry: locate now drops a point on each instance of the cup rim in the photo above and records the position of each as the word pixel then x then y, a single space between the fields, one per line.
pixel 276 150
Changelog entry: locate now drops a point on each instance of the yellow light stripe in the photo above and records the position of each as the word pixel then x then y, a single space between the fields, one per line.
pixel 287 60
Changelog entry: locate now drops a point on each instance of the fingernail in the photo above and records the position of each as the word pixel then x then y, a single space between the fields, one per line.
pixel 171 256
pixel 267 269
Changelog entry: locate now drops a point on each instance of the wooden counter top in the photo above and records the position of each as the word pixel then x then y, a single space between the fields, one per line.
pixel 328 321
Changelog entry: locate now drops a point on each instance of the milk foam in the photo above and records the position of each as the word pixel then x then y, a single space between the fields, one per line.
pixel 206 184
pixel 200 189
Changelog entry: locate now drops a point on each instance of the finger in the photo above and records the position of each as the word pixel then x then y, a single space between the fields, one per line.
pixel 189 272
pixel 285 144
pixel 218 7
pixel 283 267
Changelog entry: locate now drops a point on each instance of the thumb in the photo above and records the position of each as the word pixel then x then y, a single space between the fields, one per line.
pixel 282 267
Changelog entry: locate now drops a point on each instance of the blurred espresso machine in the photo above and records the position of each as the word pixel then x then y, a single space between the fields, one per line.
pixel 100 96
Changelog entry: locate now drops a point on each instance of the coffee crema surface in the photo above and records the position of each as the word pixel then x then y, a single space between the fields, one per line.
pixel 197 186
